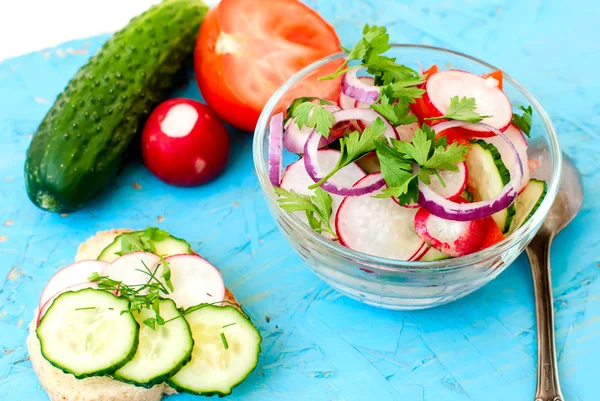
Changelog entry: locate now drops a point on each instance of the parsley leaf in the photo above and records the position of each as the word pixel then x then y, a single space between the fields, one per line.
pixel 523 122
pixel 314 116
pixel 354 146
pixel 298 101
pixel 318 207
pixel 462 109
pixel 397 172
pixel 446 159
pixel 403 162
pixel 407 88
pixel 397 114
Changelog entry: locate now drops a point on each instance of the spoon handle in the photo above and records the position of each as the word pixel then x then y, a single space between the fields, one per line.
pixel 548 387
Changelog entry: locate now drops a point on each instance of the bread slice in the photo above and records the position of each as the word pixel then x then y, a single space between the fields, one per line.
pixel 65 387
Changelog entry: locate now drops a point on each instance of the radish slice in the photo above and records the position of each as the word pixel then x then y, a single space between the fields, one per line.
pixel 489 99
pixel 276 148
pixel 450 210
pixel 313 167
pixel 377 226
pixel 508 157
pixel 130 269
pixel 358 90
pixel 43 308
pixel 70 275
pixel 456 182
pixel 195 281
pixel 454 238
pixel 296 179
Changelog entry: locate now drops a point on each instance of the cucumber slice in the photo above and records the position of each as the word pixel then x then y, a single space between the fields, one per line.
pixel 161 352
pixel 226 348
pixel 85 334
pixel 528 202
pixel 167 246
pixel 487 176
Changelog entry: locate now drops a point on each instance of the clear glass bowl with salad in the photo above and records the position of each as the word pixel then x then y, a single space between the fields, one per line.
pixel 415 185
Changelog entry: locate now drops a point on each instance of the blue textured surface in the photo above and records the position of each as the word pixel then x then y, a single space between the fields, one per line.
pixel 319 345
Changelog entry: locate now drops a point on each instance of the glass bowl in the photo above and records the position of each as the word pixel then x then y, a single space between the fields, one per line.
pixel 397 284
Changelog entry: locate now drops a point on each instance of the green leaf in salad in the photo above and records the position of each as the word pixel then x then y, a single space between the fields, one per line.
pixel 461 109
pixel 318 207
pixel 523 122
pixel 298 101
pixel 398 113
pixel 314 116
pixel 399 162
pixel 354 146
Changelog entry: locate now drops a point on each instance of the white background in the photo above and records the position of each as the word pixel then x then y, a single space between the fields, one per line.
pixel 30 25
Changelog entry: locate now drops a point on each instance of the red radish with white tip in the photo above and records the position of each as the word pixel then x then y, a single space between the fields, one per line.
pixel 454 238
pixel 489 99
pixel 68 276
pixel 184 143
pixel 508 157
pixel 377 226
pixel 132 268
pixel 43 307
pixel 195 281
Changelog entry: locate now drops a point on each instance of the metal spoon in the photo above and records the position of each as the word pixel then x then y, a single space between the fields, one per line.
pixel 565 208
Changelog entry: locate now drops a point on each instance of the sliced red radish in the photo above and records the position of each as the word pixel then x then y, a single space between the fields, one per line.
pixel 377 226
pixel 276 149
pixel 359 90
pixel 132 268
pixel 508 157
pixel 489 99
pixel 454 238
pixel 297 179
pixel 184 143
pixel 46 305
pixel 312 164
pixel 195 281
pixel 68 276
pixel 455 182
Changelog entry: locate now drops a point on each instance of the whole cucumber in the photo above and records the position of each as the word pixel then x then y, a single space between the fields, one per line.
pixel 82 142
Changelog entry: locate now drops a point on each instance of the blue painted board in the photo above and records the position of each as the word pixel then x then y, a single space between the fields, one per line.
pixel 319 345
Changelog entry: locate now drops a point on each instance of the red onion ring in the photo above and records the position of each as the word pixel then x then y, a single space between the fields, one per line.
pixel 357 90
pixel 311 148
pixel 276 149
pixel 447 209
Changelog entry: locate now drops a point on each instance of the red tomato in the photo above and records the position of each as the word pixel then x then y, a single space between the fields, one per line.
pixel 493 235
pixel 246 49
pixel 497 75
pixel 184 143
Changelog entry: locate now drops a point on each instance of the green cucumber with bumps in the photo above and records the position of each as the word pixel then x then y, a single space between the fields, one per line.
pixel 82 142
pixel 487 176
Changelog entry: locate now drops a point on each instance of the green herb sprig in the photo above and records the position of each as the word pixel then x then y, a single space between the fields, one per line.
pixel 318 207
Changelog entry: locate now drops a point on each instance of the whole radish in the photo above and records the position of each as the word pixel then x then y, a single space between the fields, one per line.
pixel 184 143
